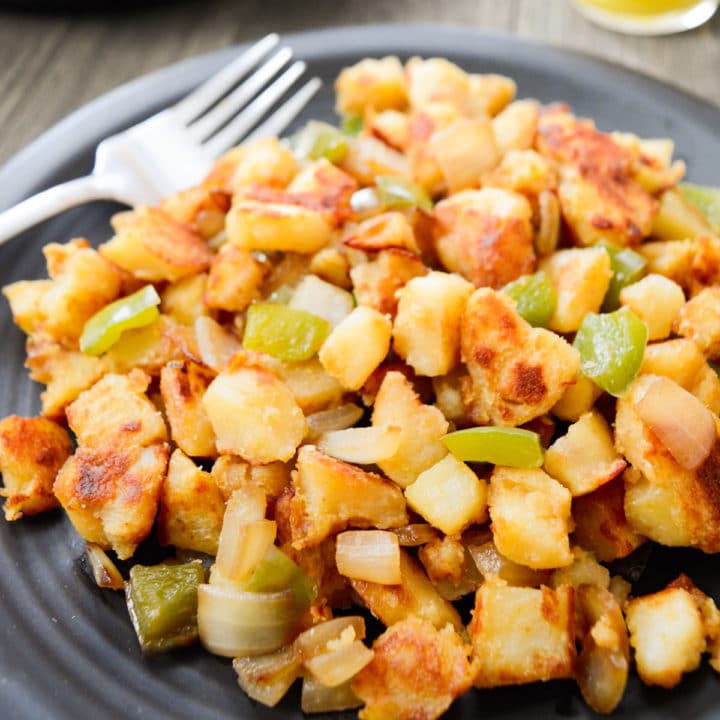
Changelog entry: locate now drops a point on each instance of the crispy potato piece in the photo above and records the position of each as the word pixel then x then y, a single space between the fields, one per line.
pixel 444 560
pixel 485 235
pixel 203 207
pixel 663 500
pixel 390 126
pixel 426 331
pixel 111 493
pixel 377 282
pixel 234 280
pixel 231 473
pixel 680 359
pixel 32 450
pixel 313 387
pixel 191 507
pixel 349 361
pixel 369 157
pixel 523 171
pixel 415 595
pixel 706 388
pixel 272 426
pixel 331 264
pixel 585 569
pixel 656 300
pixel 422 427
pixel 539 643
pixel 152 246
pixel 584 458
pixel 182 389
pixel 580 278
pixel 515 126
pixel 25 298
pixel 577 399
pixel 530 515
pixel 448 397
pixel 699 320
pixel 491 93
pixel 517 373
pixel 371 83
pixel 436 80
pixel 415 674
pixel 322 299
pixel 600 523
pixel 678 218
pixel 329 495
pixel 183 301
pixel 382 232
pixel 666 631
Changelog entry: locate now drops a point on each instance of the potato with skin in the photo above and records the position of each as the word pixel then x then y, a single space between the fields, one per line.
pixel 416 672
pixel 656 300
pixel 32 450
pixel 530 515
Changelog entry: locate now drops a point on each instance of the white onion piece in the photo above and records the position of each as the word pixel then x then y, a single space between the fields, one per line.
pixel 266 678
pixel 336 667
pixel 365 200
pixel 215 345
pixel 338 418
pixel 103 568
pixel 682 423
pixel 322 299
pixel 233 623
pixel 371 555
pixel 318 698
pixel 365 446
pixel 314 641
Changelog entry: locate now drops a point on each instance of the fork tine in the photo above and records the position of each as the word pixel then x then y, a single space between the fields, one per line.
pixel 213 89
pixel 287 112
pixel 207 124
pixel 254 112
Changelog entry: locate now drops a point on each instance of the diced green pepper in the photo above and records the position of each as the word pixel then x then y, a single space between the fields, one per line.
pixel 162 600
pixel 396 191
pixel 106 326
pixel 277 572
pixel 283 332
pixel 627 268
pixel 534 298
pixel 352 124
pixel 513 447
pixel 611 348
pixel 706 199
pixel 319 140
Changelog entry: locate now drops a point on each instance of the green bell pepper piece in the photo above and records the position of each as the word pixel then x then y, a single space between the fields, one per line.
pixel 706 199
pixel 627 268
pixel 513 447
pixel 393 191
pixel 534 298
pixel 319 140
pixel 352 124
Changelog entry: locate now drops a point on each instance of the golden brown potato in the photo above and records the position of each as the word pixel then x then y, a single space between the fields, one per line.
pixel 328 495
pixel 231 473
pixel 25 298
pixel 202 207
pixel 32 450
pixel 444 560
pixel 585 569
pixel 377 84
pixel 313 387
pixel 577 399
pixel 382 232
pixel 517 373
pixel 183 301
pixel 415 674
pixel 656 300
pixel 491 93
pixel 485 235
pixel 523 171
pixel 515 126
pixel 234 280
pixel 182 388
pixel 699 320
pixel 191 507
pixel 152 246
pixel 539 643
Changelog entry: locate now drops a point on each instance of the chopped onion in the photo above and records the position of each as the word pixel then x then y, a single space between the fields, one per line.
pixel 681 422
pixel 371 555
pixel 365 200
pixel 318 698
pixel 103 568
pixel 215 345
pixel 234 623
pixel 338 418
pixel 314 641
pixel 415 534
pixel 266 678
pixel 336 667
pixel 365 446
pixel 323 299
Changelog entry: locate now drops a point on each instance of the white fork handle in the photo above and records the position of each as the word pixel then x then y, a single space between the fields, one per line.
pixel 50 202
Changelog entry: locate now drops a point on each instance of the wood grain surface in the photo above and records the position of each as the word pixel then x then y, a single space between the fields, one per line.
pixel 51 63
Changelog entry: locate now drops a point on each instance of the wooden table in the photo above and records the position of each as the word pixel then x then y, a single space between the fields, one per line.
pixel 51 64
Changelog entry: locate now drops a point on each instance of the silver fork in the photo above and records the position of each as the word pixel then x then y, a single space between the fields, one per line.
pixel 175 148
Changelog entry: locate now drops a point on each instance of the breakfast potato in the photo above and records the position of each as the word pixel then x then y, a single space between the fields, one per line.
pixel 445 561
pixel 679 359
pixel 436 80
pixel 584 570
pixel 699 320
pixel 526 172
pixel 232 473
pixel 493 565
pixel 491 93
pixel 376 84
pixel 678 218
pixel 184 300
pixel 515 125
pixel 577 399
pixel 656 300
pixel 382 232
pixel 322 299
pixel 32 451
pixel 313 387
pixel 202 207
pixel 25 298
pixel 234 279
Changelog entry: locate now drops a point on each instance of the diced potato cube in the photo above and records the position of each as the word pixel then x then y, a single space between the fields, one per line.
pixel 329 495
pixel 415 595
pixel 527 172
pixel 666 631
pixel 448 397
pixel 584 458
pixel 371 83
pixel 585 569
pixel 491 92
pixel 577 399
pixel 449 495
pixel 32 450
pixel 332 265
pixel 445 560
pixel 254 225
pixel 356 347
pixel 530 515
pixel 422 429
pixel 382 232
pixel 182 391
pixel 183 300
pixel 152 246
pixel 680 359
pixel 313 387
pixel 699 320
pixel 706 388
pixel 231 473
pixel 426 333
pixel 580 278
pixel 253 413
pixel 416 672
pixel 656 300
pixel 323 299
pixel 516 125
pixel 539 642
pixel 234 279
pixel 600 523
pixel 25 298
pixel 191 507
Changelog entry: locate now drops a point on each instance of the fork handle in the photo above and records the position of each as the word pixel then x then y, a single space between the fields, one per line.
pixel 50 202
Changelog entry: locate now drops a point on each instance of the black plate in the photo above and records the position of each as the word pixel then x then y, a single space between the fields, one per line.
pixel 67 649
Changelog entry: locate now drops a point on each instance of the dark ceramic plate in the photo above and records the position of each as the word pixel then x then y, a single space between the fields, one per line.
pixel 67 650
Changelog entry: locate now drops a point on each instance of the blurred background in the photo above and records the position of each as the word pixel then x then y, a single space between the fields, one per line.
pixel 56 55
